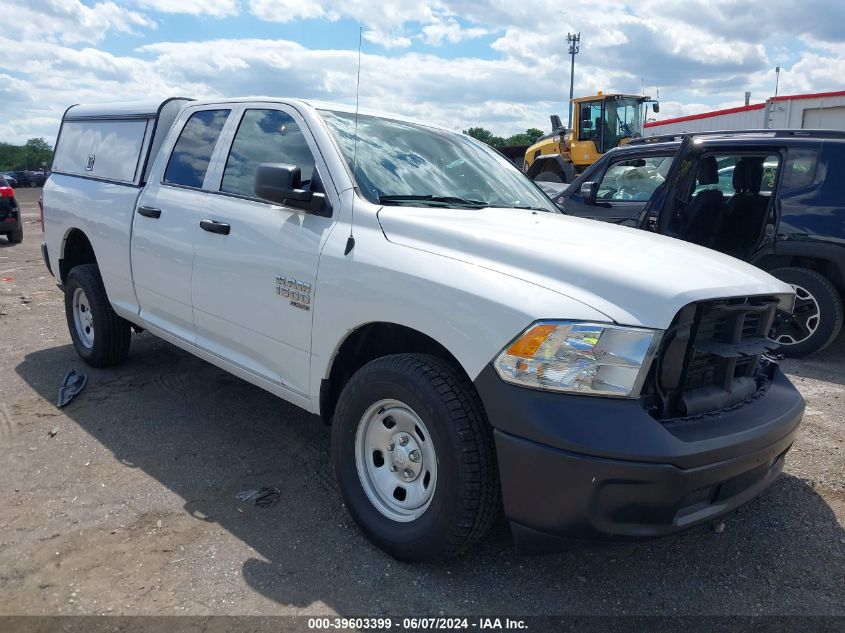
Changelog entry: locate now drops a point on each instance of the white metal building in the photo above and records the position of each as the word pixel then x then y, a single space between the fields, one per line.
pixel 825 110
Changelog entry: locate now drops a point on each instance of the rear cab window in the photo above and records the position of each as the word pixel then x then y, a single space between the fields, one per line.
pixel 192 153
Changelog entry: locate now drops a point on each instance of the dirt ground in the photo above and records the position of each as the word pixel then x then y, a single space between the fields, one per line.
pixel 124 502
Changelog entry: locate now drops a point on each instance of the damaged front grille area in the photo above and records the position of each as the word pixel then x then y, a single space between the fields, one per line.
pixel 710 357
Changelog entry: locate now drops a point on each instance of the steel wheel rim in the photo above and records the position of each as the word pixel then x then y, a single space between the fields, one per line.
pixel 804 321
pixel 396 461
pixel 83 320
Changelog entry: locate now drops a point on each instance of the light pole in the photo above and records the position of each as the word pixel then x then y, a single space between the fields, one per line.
pixel 573 39
pixel 777 79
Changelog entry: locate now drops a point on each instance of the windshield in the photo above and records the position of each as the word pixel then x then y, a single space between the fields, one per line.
pixel 623 118
pixel 404 163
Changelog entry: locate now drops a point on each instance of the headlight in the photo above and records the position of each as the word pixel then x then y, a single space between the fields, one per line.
pixel 587 358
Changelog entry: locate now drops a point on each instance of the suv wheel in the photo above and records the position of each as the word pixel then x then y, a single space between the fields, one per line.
pixel 100 337
pixel 414 457
pixel 817 318
pixel 15 237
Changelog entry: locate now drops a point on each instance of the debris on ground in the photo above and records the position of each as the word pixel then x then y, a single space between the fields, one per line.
pixel 262 497
pixel 719 527
pixel 73 383
pixel 53 432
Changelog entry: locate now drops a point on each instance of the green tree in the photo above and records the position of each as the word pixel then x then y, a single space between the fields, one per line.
pixel 30 155
pixel 528 137
pixel 485 136
pixel 38 153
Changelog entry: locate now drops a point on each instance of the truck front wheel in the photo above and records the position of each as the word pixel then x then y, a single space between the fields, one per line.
pixel 414 458
pixel 100 337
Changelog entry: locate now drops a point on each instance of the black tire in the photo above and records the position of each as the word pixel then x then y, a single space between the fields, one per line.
pixel 15 237
pixel 828 313
pixel 113 334
pixel 466 500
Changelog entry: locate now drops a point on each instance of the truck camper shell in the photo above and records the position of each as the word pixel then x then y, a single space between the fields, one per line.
pixel 114 142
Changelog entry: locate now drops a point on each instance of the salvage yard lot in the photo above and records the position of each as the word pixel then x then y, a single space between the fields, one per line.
pixel 124 502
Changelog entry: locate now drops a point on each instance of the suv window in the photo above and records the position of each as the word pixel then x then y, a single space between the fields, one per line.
pixel 799 168
pixel 192 153
pixel 634 179
pixel 726 165
pixel 265 136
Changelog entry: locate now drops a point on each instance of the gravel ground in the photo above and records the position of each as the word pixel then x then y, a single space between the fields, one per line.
pixel 129 508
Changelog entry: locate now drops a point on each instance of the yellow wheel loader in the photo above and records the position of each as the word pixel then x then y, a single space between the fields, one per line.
pixel 601 122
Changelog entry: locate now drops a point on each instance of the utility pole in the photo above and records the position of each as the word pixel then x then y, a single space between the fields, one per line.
pixel 777 79
pixel 573 39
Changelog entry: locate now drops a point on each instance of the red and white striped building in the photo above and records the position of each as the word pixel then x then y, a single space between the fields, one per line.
pixel 821 110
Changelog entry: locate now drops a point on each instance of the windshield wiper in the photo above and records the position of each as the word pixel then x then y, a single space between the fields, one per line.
pixel 499 206
pixel 439 200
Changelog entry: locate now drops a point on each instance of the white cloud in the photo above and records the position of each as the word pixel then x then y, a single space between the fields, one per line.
pixel 385 17
pixel 214 8
pixel 69 21
pixel 287 10
pixel 387 40
pixel 451 31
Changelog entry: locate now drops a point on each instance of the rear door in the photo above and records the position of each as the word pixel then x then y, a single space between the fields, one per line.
pixel 255 263
pixel 166 219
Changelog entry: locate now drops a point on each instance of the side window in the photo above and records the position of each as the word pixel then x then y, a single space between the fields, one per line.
pixel 756 174
pixel 265 136
pixel 633 179
pixel 799 169
pixel 589 120
pixel 192 152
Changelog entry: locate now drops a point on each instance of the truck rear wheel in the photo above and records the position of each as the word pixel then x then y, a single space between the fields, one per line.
pixel 817 318
pixel 101 338
pixel 414 457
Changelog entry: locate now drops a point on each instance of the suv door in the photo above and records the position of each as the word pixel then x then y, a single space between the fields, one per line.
pixel 624 184
pixel 255 262
pixel 723 197
pixel 167 215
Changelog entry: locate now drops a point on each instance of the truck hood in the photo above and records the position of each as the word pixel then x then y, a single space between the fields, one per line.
pixel 632 276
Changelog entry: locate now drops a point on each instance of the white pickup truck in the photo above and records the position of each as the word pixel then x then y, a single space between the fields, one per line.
pixel 474 350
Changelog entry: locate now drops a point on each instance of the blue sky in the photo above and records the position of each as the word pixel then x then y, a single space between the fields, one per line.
pixel 501 64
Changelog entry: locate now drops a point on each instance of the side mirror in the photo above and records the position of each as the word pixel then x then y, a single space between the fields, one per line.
pixel 655 107
pixel 556 123
pixel 282 184
pixel 589 192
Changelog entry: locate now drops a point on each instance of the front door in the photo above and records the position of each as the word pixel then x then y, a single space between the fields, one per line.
pixel 255 263
pixel 163 227
pixel 624 188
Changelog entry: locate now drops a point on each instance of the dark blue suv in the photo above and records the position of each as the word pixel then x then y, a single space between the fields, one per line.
pixel 774 198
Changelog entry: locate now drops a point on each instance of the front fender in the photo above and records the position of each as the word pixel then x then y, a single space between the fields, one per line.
pixel 470 310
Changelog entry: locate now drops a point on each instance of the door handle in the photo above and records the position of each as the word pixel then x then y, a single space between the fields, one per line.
pixel 150 212
pixel 213 226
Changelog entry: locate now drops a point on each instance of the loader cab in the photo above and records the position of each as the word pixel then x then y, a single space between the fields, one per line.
pixel 604 122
